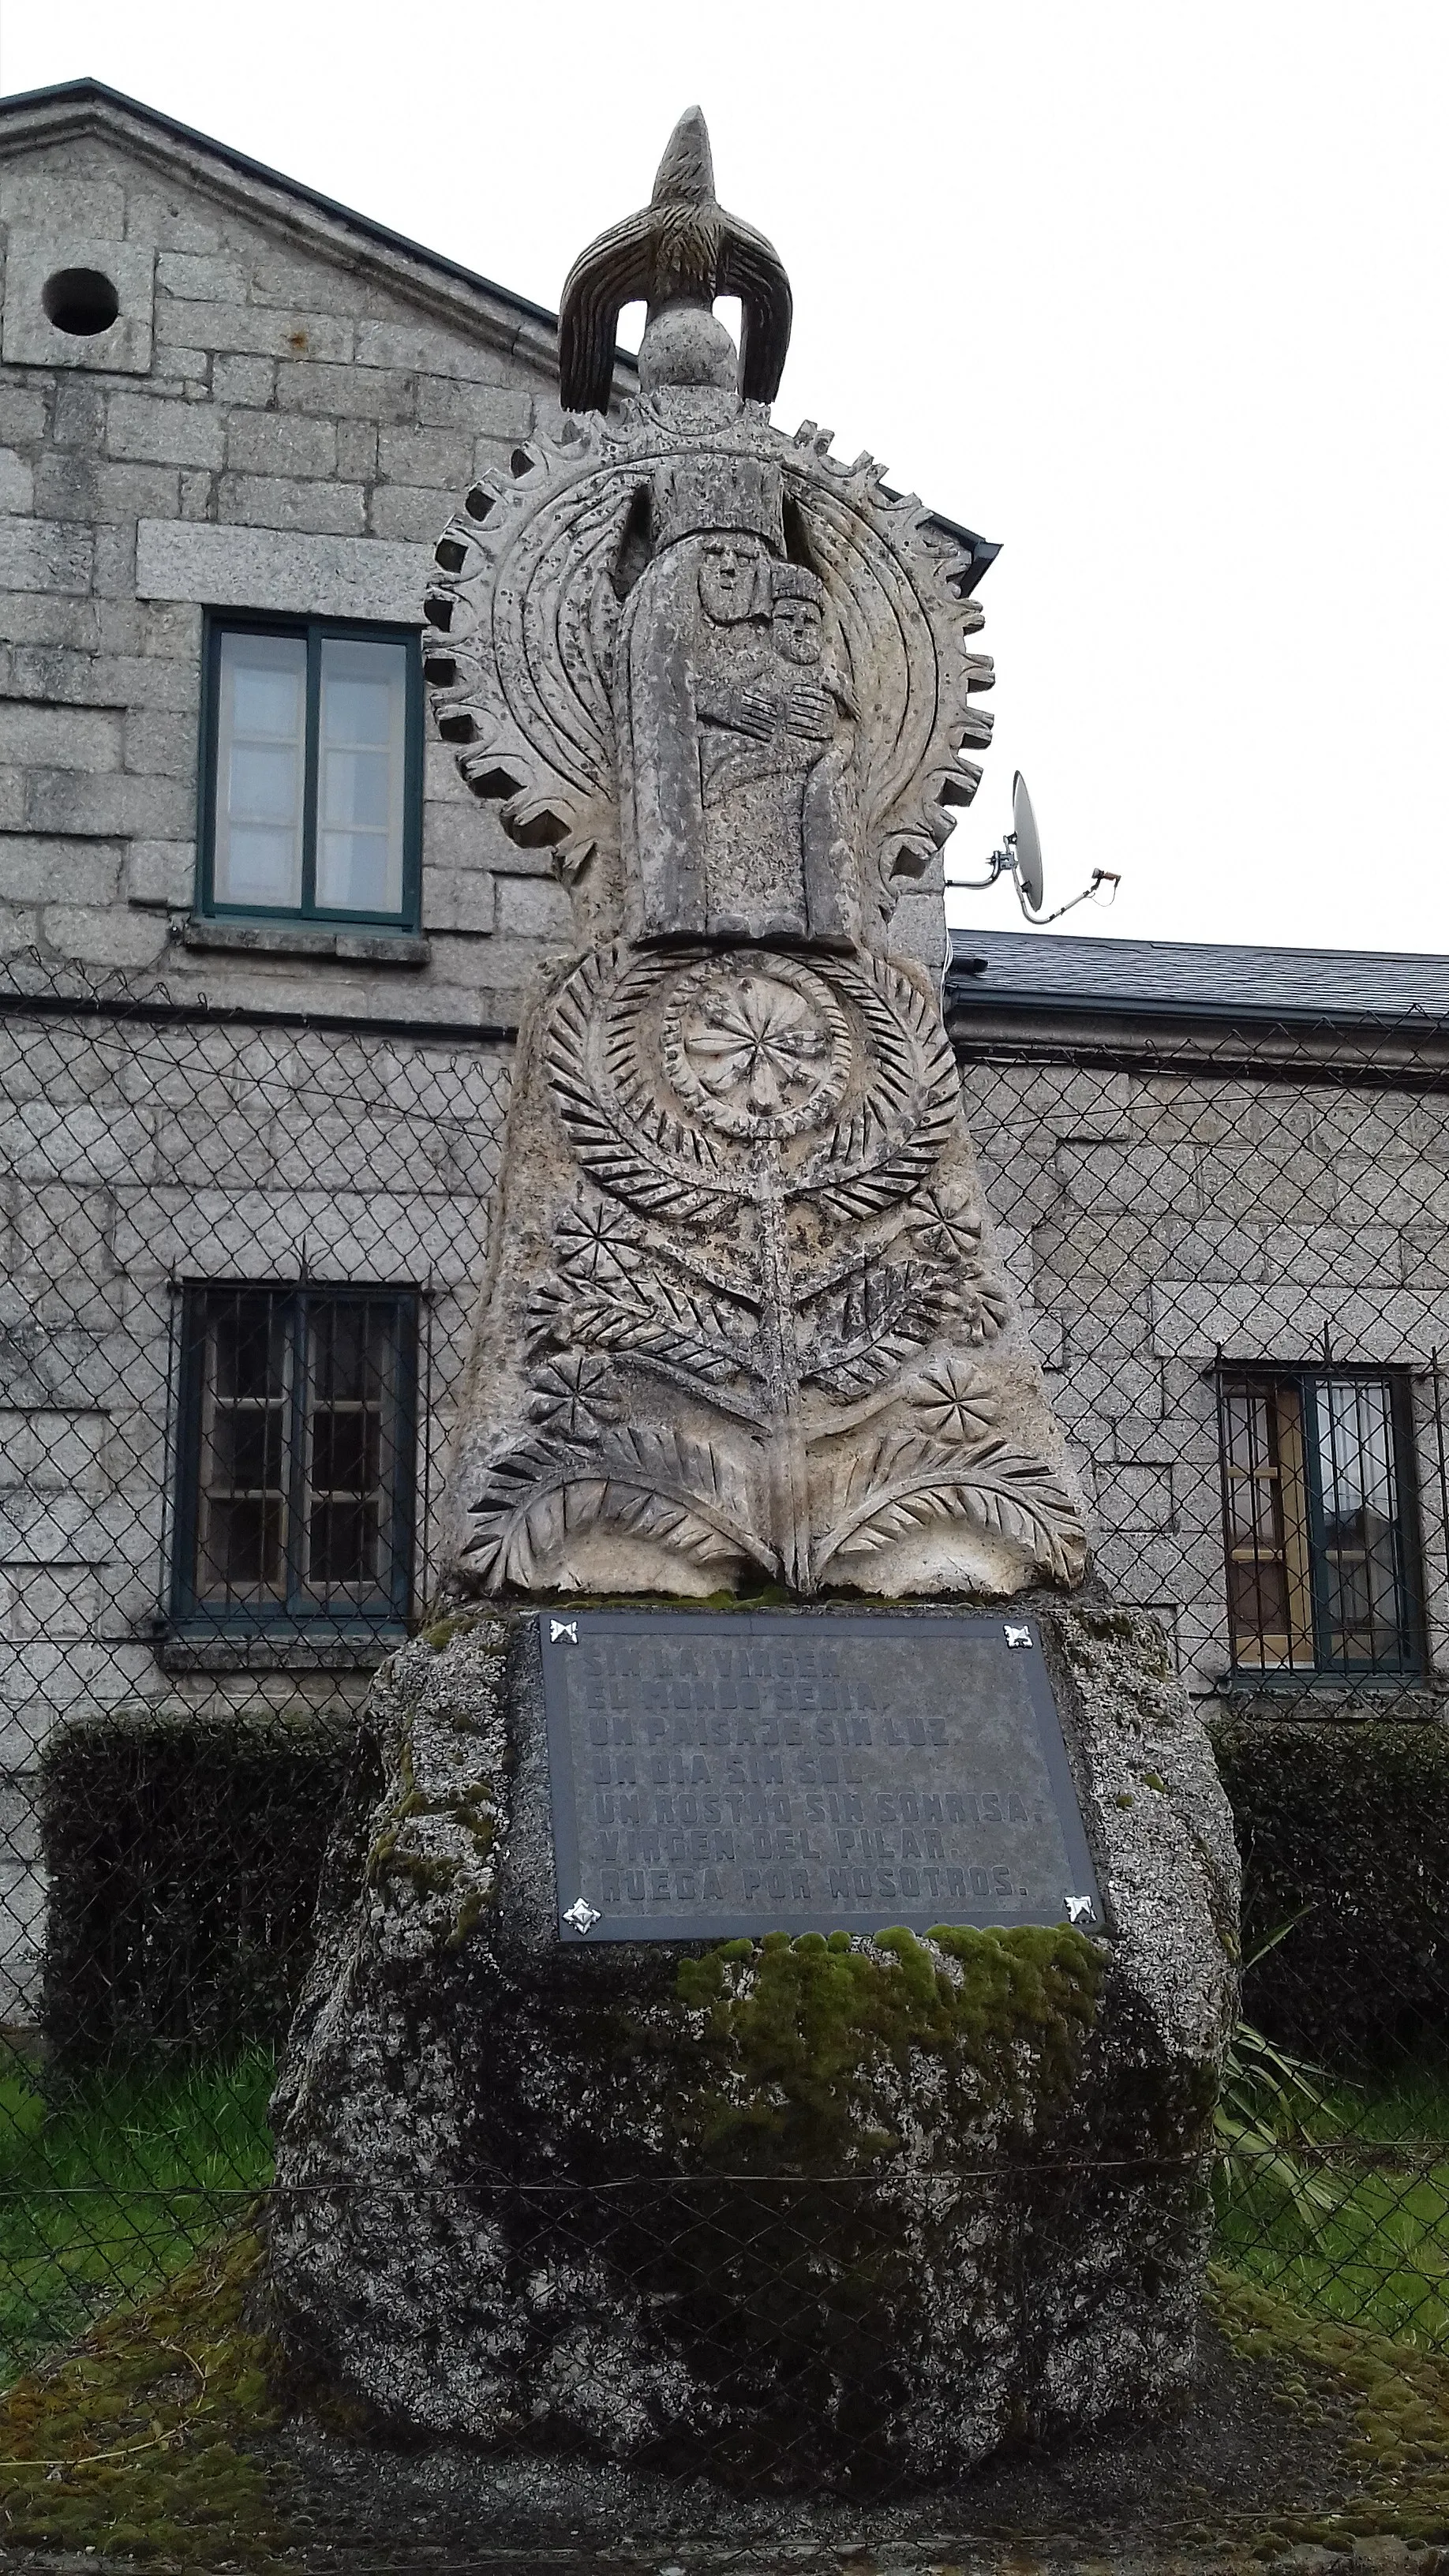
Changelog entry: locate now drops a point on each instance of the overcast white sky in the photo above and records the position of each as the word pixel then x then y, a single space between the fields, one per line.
pixel 1153 293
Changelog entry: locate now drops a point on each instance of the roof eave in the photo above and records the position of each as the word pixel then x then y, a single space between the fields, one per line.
pixel 511 323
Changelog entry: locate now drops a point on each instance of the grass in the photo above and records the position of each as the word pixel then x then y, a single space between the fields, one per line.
pixel 108 2188
pixel 121 2203
pixel 130 2196
pixel 1376 2253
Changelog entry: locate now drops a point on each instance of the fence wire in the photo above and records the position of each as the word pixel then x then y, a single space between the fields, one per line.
pixel 241 1258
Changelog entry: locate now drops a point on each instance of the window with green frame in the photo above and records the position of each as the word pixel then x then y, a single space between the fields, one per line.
pixel 311 772
pixel 296 1425
pixel 1320 1523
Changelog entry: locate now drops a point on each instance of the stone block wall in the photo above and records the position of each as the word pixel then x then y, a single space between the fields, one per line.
pixel 283 418
pixel 1153 1219
pixel 283 415
pixel 135 1155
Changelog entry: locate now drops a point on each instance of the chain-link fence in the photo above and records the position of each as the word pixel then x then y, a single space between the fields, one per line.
pixel 1234 1247
pixel 241 1259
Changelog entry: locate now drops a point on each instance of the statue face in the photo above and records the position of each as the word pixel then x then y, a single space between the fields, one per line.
pixel 796 627
pixel 728 575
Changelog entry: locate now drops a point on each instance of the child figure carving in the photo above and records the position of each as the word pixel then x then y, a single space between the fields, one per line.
pixel 776 755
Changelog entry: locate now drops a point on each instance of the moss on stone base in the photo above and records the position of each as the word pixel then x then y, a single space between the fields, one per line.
pixel 810 2041
pixel 150 2421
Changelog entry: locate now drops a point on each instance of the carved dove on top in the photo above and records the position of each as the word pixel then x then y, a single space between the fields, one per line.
pixel 680 249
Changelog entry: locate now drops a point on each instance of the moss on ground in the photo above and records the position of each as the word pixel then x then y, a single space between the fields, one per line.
pixel 130 2442
pixel 801 2033
pixel 138 2442
pixel 1398 2459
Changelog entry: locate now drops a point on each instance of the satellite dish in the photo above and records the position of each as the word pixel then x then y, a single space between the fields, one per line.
pixel 1029 876
pixel 1020 858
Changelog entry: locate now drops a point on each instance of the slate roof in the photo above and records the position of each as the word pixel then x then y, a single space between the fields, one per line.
pixel 1040 975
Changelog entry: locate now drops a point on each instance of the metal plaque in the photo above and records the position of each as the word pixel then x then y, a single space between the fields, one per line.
pixel 763 1772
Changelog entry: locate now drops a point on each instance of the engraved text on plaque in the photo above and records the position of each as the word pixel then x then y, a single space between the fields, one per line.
pixel 762 1771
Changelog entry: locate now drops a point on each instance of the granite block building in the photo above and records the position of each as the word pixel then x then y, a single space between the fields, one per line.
pixel 263 958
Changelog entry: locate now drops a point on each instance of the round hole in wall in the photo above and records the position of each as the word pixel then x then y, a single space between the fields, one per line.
pixel 81 301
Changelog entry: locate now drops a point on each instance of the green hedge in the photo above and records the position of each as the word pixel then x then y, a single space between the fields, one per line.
pixel 183 1857
pixel 184 1853
pixel 1351 1821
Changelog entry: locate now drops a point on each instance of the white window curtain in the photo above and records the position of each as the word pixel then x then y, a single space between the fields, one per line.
pixel 261 770
pixel 362 732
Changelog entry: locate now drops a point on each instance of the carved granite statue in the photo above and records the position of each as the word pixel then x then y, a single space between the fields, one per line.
pixel 744 1319
pixel 840 2207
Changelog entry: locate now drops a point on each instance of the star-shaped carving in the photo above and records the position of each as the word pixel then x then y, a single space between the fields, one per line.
pixel 952 1399
pixel 950 1232
pixel 763 1041
pixel 597 1242
pixel 574 1395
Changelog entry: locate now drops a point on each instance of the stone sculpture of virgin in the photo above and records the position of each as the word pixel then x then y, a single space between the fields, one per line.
pixel 743 1320
pixel 734 734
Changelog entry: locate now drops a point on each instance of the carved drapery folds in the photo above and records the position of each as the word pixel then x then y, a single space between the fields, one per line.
pixel 744 1321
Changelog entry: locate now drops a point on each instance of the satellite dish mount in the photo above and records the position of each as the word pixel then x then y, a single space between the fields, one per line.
pixel 1019 857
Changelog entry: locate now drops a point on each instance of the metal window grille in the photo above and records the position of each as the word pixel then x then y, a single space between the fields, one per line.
pixel 295 1456
pixel 1319 1524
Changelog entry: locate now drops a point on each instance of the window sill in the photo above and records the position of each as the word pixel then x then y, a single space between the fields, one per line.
pixel 339 1650
pixel 358 947
pixel 1416 1699
pixel 1287 1684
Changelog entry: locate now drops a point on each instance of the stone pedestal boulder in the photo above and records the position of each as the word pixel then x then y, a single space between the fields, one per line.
pixel 831 2208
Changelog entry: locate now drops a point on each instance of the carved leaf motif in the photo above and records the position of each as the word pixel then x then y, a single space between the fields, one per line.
pixel 886 1312
pixel 888 1150
pixel 623 1165
pixel 665 1484
pixel 906 1483
pixel 983 1307
pixel 656 1484
pixel 669 1322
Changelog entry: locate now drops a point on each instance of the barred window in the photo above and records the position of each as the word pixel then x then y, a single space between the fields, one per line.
pixel 1319 1523
pixel 313 777
pixel 295 1481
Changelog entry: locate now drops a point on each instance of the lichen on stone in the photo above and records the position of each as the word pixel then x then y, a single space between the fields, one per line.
pixel 434 1836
